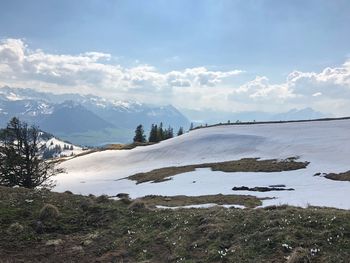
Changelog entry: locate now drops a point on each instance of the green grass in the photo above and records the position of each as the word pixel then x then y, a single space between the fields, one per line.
pixel 91 229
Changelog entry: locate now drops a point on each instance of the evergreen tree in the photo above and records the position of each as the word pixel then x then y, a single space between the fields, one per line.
pixel 169 133
pixel 139 134
pixel 153 134
pixel 180 132
pixel 20 157
pixel 191 126
pixel 160 133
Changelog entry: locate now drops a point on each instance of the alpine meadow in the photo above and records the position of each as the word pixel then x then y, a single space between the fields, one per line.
pixel 175 131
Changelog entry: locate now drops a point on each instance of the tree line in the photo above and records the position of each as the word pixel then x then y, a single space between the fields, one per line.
pixel 157 133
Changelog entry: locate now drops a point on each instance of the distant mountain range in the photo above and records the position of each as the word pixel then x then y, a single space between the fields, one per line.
pixel 91 120
pixel 212 117
pixel 84 119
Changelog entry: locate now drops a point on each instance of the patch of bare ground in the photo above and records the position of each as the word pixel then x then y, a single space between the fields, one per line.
pixel 261 188
pixel 242 165
pixel 92 229
pixel 339 177
pixel 183 200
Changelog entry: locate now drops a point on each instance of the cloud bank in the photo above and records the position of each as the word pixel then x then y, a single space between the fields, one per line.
pixel 199 87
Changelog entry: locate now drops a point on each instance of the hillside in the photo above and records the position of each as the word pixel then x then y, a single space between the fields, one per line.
pixel 324 145
pixel 58 148
pixel 76 228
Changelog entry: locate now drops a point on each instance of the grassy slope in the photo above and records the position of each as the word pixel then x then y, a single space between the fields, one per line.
pixel 242 165
pixel 339 177
pixel 91 229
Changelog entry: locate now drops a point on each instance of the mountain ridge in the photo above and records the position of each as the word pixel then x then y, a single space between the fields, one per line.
pixel 76 117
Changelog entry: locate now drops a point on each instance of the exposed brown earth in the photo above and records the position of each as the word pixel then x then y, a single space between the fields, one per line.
pixel 243 165
pixel 339 177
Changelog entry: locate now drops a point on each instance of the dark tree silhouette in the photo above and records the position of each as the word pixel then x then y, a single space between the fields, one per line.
pixel 139 134
pixel 160 133
pixel 168 133
pixel 21 163
pixel 153 134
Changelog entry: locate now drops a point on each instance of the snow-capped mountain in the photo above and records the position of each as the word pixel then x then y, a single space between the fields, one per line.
pixel 79 118
pixel 13 103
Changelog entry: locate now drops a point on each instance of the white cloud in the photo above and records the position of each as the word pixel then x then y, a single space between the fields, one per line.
pixel 331 86
pixel 261 89
pixel 198 77
pixel 331 82
pixel 199 87
pixel 92 72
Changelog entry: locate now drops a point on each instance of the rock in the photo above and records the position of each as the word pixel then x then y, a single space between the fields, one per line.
pixel 122 195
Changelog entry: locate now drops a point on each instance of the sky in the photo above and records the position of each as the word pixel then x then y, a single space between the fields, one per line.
pixel 234 55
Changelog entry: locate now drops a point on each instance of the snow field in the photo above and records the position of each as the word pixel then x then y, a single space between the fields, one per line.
pixel 325 144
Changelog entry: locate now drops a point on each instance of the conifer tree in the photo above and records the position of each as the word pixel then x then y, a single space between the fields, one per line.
pixel 180 132
pixel 153 134
pixel 169 133
pixel 139 134
pixel 160 133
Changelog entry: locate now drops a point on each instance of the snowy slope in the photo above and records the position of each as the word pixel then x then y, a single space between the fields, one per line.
pixel 66 149
pixel 325 144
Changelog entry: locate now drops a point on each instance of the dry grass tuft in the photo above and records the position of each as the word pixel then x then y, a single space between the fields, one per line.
pixel 102 199
pixel 299 255
pixel 138 205
pixel 15 229
pixel 49 212
pixel 85 204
